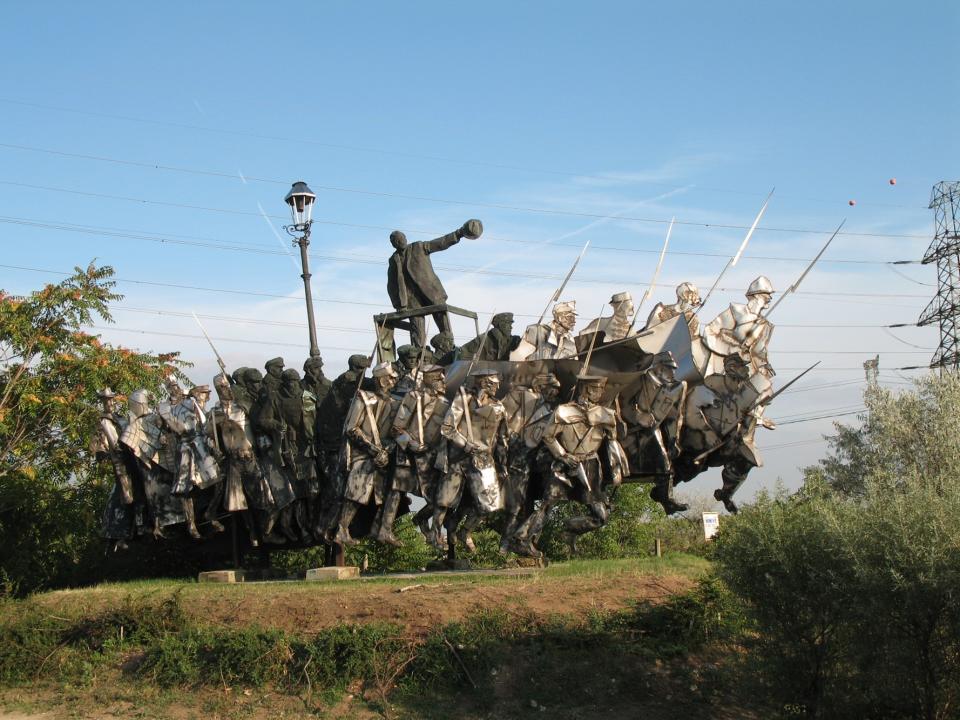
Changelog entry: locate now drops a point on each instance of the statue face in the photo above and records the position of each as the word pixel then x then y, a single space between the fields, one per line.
pixel 758 301
pixel 624 309
pixel 549 392
pixel 436 382
pixel 385 383
pixel 489 384
pixel 664 373
pixel 275 371
pixel 591 394
pixel 566 320
pixel 398 240
pixel 504 326
pixel 442 345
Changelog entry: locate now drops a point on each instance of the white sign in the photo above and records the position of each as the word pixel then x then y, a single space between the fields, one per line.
pixel 711 524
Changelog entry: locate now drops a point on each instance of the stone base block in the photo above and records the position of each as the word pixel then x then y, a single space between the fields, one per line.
pixel 221 576
pixel 327 574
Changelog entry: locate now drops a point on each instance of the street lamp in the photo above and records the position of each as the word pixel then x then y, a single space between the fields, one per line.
pixel 301 199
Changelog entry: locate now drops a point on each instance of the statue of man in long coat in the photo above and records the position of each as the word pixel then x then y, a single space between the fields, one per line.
pixel 411 280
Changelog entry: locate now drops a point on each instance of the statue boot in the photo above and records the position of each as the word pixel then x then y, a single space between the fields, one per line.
pixel 342 536
pixel 385 518
pixel 191 515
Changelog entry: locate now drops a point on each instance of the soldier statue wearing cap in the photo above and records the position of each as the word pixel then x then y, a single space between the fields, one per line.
pixel 314 381
pixel 119 517
pixel 474 465
pixel 444 348
pixel 143 439
pixel 528 411
pixel 331 415
pixel 496 343
pixel 654 419
pixel 269 430
pixel 274 377
pixel 741 328
pixel 552 340
pixel 720 421
pixel 409 357
pixel 688 300
pixel 411 280
pixel 368 449
pixel 244 489
pixel 196 467
pixel 618 325
pixel 416 429
pixel 587 463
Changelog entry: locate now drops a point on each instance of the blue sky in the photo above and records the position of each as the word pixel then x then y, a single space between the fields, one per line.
pixel 421 115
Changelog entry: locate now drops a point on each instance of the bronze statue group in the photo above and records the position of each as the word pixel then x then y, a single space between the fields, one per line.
pixel 504 423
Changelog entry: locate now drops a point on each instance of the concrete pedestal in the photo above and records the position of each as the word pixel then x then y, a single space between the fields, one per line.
pixel 221 576
pixel 328 574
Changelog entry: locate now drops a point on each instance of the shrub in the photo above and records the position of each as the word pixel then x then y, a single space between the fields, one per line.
pixel 853 581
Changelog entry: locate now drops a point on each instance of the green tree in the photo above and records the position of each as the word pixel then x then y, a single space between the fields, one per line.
pixel 853 581
pixel 51 489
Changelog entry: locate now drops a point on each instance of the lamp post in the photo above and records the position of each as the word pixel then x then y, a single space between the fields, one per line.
pixel 301 199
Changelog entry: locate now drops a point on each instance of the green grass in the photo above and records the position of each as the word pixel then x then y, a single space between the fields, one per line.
pixel 497 660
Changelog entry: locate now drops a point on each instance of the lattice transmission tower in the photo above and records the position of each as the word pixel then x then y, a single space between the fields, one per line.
pixel 944 309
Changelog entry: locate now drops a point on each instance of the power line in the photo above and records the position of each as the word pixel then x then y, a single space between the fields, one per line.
pixel 367 260
pixel 354 148
pixel 257 321
pixel 798 443
pixel 245 341
pixel 822 417
pixel 213 242
pixel 546 211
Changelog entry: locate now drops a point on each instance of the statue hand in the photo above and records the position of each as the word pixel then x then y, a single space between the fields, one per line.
pixel 381 459
pixel 569 461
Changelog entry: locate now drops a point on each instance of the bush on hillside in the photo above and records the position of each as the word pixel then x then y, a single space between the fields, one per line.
pixel 853 581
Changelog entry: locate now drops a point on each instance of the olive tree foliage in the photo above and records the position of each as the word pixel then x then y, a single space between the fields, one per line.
pixel 854 582
pixel 51 488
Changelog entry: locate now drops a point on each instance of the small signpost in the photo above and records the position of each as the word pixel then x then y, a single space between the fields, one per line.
pixel 711 524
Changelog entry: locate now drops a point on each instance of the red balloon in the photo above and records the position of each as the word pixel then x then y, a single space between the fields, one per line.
pixel 851 203
pixel 893 181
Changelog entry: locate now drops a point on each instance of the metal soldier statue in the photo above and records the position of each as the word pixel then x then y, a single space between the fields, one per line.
pixel 268 431
pixel 369 445
pixel 496 343
pixel 688 300
pixel 274 377
pixel 528 413
pixel 297 449
pixel 406 367
pixel 314 381
pixel 196 467
pixel 553 340
pixel 143 437
pixel 119 517
pixel 411 280
pixel 719 428
pixel 416 429
pixel 445 349
pixel 578 434
pixel 475 464
pixel 654 421
pixel 743 329
pixel 618 325
pixel 169 455
pixel 244 488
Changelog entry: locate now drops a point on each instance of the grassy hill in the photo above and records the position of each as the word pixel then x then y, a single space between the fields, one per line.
pixel 627 638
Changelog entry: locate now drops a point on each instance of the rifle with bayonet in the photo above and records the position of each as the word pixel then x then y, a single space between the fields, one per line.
pixel 736 258
pixel 743 429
